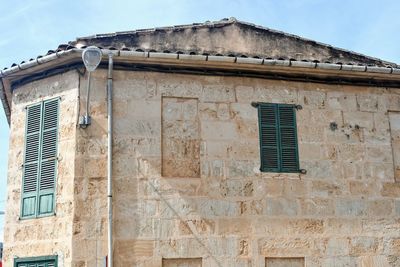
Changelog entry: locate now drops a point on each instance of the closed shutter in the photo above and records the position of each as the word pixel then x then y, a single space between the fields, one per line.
pixel 48 157
pixel 288 138
pixel 278 137
pixel 40 160
pixel 47 261
pixel 269 137
pixel 31 160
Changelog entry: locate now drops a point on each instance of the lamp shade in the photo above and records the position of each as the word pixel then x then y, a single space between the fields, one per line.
pixel 91 57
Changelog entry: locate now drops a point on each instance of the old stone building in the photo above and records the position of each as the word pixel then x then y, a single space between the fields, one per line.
pixel 233 145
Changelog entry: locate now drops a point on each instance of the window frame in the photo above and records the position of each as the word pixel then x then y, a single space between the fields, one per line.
pixel 276 109
pixel 36 260
pixel 41 130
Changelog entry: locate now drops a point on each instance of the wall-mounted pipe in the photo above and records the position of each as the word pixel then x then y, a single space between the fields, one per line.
pixel 109 160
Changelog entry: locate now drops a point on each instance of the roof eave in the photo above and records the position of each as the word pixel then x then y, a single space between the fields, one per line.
pixel 195 61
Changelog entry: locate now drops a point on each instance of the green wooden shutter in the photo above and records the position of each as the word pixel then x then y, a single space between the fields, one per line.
pixel 278 137
pixel 289 158
pixel 269 138
pixel 48 159
pixel 40 160
pixel 31 160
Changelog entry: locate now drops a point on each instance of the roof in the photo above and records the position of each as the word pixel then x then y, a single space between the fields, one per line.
pixel 227 37
pixel 225 41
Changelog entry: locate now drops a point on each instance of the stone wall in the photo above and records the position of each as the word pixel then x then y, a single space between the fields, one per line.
pixel 223 212
pixel 343 212
pixel 49 235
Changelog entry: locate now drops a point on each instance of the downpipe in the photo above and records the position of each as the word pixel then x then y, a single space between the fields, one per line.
pixel 109 161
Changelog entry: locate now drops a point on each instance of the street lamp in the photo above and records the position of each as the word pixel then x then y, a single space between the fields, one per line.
pixel 91 57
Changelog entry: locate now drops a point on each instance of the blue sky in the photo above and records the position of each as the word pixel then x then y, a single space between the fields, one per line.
pixel 32 27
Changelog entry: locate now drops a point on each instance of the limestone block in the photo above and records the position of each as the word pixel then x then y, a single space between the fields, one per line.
pixel 284 262
pixel 372 261
pixel 282 247
pixel 381 208
pixel 241 168
pixel 341 101
pixel 364 188
pixel 391 190
pixel 311 151
pixel 177 207
pixel 362 119
pixel 352 170
pixel 253 207
pixel 342 261
pixel 382 153
pixel 368 102
pixel 218 93
pixel 134 88
pixel 129 207
pixel 245 94
pixel 337 247
pixel 138 127
pixel 295 188
pixel 130 249
pixel 188 262
pixel 180 87
pixel 275 94
pixel 136 228
pixel 236 226
pixel 343 226
pixel 382 171
pixel 312 99
pixel 219 130
pixel 243 111
pixel 281 207
pixel 351 207
pixel 317 207
pixel 143 109
pixel 213 207
pixel 322 188
pixel 351 152
pixel 218 149
pixel 236 188
pixel 247 129
pixel 197 227
pixel 389 102
pixel 208 111
pixel 363 245
pixel 310 133
pixel 181 158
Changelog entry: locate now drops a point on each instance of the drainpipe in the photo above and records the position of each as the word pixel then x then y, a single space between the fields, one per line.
pixel 109 161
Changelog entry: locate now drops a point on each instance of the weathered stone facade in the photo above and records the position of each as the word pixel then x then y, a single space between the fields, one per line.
pixel 220 210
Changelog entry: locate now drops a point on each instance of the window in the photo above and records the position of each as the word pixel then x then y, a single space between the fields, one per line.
pixel 40 159
pixel 49 261
pixel 278 137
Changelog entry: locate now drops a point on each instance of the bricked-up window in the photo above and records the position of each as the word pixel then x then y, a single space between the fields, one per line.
pixel 40 159
pixel 48 261
pixel 180 137
pixel 278 137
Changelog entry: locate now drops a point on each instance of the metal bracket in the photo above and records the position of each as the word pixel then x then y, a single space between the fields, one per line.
pixel 255 104
pixel 84 121
pixel 298 107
